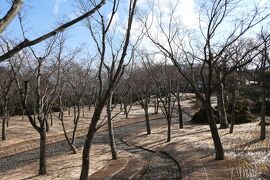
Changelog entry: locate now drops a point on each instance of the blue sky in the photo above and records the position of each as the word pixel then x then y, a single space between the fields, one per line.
pixel 42 16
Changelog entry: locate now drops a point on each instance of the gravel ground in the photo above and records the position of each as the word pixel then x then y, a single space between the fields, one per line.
pixel 161 166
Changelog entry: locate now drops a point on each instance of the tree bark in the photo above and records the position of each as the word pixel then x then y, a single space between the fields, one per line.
pixel 156 105
pixel 88 142
pixel 5 118
pixel 125 110
pixel 13 11
pixel 221 108
pixel 47 125
pixel 83 110
pixel 8 117
pixel 263 109
pixel 121 106
pixel 73 148
pixel 180 116
pixel 4 128
pixel 233 111
pixel 42 155
pixel 219 152
pixel 76 121
pixel 169 120
pixel 146 114
pixel 110 128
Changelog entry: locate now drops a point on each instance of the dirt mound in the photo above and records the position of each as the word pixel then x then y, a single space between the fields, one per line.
pixel 200 117
pixel 243 117
pixel 257 107
pixel 242 113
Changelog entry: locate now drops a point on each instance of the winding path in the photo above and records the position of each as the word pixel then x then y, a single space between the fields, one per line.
pixel 161 166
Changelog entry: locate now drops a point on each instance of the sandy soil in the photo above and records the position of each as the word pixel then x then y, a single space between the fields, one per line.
pixel 21 137
pixel 242 145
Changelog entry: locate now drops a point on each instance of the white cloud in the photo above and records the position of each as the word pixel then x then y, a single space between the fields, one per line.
pixel 185 16
pixel 185 10
pixel 57 4
pixel 188 13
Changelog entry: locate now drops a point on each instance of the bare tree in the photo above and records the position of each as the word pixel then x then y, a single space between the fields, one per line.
pixel 10 15
pixel 78 81
pixel 44 91
pixel 163 82
pixel 28 43
pixel 142 87
pixel 116 68
pixel 263 68
pixel 6 94
pixel 216 13
pixel 220 95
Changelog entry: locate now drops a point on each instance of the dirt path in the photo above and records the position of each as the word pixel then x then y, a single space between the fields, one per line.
pixel 159 165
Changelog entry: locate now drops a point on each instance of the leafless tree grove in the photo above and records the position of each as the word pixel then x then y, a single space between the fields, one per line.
pixel 152 67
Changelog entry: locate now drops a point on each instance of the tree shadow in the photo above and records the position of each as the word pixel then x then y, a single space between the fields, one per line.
pixel 250 143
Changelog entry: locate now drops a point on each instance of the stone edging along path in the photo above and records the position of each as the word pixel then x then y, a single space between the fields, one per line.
pixel 156 163
pixel 195 163
pixel 34 143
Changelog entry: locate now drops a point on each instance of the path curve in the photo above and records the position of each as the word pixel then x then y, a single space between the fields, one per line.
pixel 161 166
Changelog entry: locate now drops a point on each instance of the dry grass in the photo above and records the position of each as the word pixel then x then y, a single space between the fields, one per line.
pixel 243 145
pixel 21 137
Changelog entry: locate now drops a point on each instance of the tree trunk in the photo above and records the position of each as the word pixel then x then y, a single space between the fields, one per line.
pixel 146 114
pixel 4 128
pixel 110 128
pixel 76 121
pixel 121 106
pixel 4 122
pixel 169 120
pixel 42 155
pixel 22 113
pixel 47 125
pixel 83 110
pixel 233 111
pixel 125 110
pixel 263 109
pixel 180 116
pixel 156 105
pixel 74 114
pixel 88 142
pixel 52 118
pixel 8 117
pixel 213 128
pixel 221 108
pixel 73 148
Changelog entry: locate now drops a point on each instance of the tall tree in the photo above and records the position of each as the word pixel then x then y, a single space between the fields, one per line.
pixel 6 93
pixel 213 17
pixel 264 61
pixel 44 93
pixel 142 87
pixel 115 66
